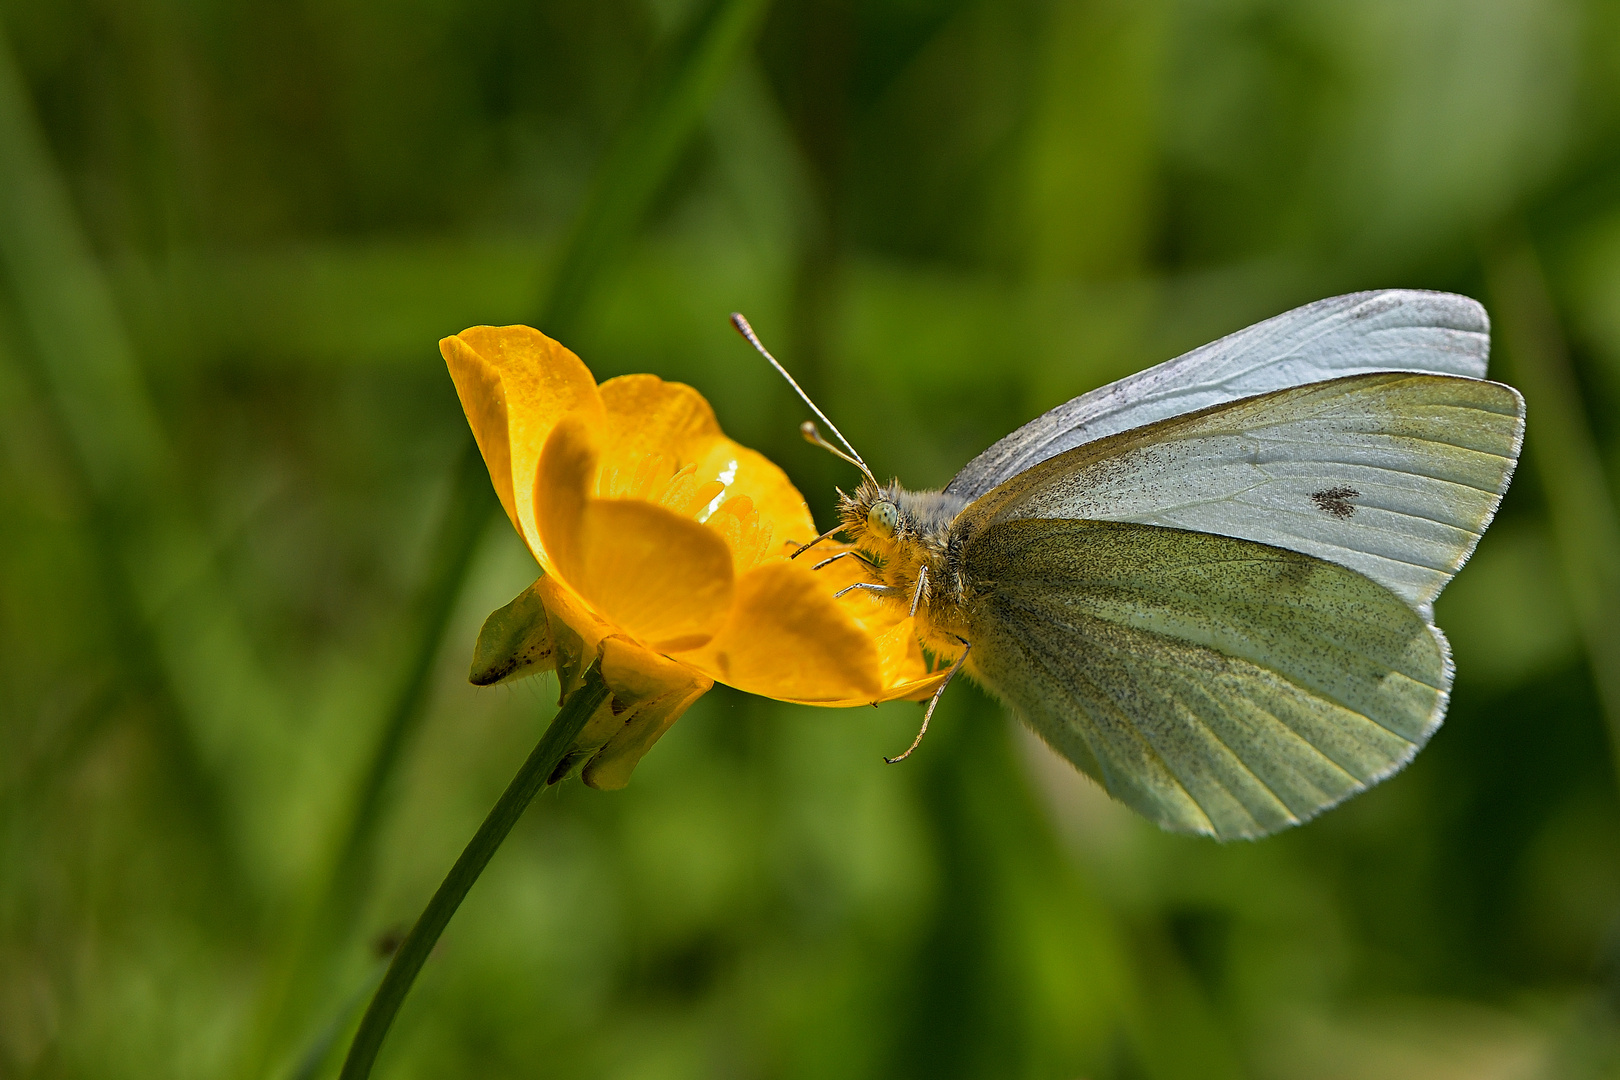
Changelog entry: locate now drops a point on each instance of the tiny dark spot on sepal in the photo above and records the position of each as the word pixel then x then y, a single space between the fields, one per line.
pixel 572 760
pixel 1336 501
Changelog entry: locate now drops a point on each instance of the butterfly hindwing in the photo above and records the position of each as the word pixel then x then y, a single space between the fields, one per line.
pixel 1214 684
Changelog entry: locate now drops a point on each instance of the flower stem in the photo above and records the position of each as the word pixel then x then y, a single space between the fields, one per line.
pixel 559 737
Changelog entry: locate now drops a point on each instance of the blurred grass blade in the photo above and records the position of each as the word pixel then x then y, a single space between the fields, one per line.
pixel 1560 447
pixel 413 953
pixel 312 1061
pixel 68 312
pixel 163 564
pixel 679 93
pixel 316 949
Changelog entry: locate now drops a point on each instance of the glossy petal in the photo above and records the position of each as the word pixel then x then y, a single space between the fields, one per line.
pixel 757 478
pixel 664 579
pixel 787 638
pixel 647 415
pixel 745 531
pixel 905 670
pixel 515 384
pixel 649 418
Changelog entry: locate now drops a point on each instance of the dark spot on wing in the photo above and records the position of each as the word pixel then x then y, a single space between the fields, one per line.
pixel 1336 501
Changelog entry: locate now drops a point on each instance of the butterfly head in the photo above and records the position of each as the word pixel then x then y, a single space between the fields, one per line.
pixel 873 514
pixel 887 517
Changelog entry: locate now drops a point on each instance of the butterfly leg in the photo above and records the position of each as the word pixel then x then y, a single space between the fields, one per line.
pixel 861 555
pixel 881 590
pixel 933 701
pixel 828 535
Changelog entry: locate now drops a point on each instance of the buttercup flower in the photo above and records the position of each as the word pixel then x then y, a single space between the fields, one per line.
pixel 663 552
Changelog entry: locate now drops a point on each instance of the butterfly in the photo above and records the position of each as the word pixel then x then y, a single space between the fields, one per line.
pixel 1210 585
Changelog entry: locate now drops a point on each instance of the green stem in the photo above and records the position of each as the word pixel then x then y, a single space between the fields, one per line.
pixel 554 744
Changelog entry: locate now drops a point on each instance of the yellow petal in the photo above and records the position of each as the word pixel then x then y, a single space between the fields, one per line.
pixel 650 692
pixel 565 479
pixel 515 384
pixel 647 416
pixel 483 399
pixel 872 615
pixel 905 671
pixel 665 579
pixel 576 631
pixel 748 473
pixel 744 531
pixel 787 638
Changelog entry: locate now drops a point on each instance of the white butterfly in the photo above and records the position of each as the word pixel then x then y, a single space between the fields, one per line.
pixel 1210 584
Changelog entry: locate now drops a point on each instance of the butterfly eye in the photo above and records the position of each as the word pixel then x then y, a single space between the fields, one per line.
pixel 882 518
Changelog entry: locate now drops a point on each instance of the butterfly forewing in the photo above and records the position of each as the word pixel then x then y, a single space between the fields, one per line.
pixel 1214 684
pixel 1393 475
pixel 1387 330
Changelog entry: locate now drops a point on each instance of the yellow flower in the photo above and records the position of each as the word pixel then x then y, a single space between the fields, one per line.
pixel 663 551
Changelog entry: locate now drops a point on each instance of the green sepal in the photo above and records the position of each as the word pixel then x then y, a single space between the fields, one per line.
pixel 516 641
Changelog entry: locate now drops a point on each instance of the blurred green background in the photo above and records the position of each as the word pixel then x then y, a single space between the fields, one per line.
pixel 243 556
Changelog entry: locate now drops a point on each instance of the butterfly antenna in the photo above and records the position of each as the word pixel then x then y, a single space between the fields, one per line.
pixel 808 429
